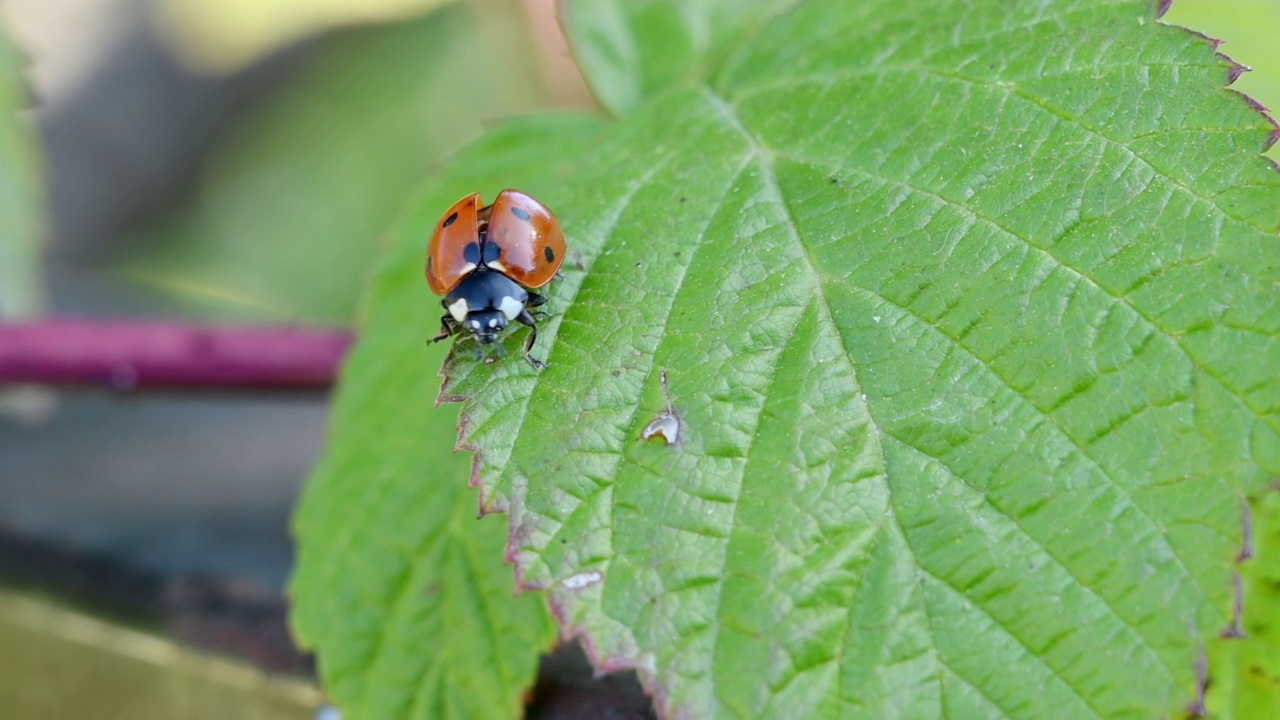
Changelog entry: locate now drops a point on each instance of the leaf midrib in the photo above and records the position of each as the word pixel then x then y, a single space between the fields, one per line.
pixel 770 178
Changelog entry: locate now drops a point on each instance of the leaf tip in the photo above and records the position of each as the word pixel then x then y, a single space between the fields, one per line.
pixel 1234 69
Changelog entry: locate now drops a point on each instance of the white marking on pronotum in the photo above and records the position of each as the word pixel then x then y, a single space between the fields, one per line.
pixel 466 269
pixel 493 322
pixel 582 579
pixel 497 265
pixel 458 309
pixel 511 307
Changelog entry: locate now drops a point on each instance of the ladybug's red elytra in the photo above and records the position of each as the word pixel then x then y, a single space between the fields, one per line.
pixel 484 261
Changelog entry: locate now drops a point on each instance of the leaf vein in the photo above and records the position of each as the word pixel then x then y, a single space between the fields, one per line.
pixel 770 178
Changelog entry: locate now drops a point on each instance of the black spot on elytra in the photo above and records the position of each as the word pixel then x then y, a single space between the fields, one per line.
pixel 549 254
pixel 520 213
pixel 471 253
pixel 492 251
pixel 449 220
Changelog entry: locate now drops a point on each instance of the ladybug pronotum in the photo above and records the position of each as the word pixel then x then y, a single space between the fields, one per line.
pixel 485 260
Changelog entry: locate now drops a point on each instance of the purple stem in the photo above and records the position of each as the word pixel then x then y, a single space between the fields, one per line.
pixel 146 354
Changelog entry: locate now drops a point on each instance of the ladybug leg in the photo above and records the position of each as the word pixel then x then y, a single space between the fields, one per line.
pixel 448 328
pixel 527 319
pixel 534 301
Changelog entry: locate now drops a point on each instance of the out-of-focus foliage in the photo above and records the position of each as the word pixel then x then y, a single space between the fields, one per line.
pixel 227 34
pixel 1249 29
pixel 20 220
pixel 21 216
pixel 55 663
pixel 288 216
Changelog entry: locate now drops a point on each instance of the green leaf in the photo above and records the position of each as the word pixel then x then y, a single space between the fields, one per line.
pixel 20 195
pixel 969 315
pixel 1249 27
pixel 401 592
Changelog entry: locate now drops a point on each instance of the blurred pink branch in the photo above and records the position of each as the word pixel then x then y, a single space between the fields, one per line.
pixel 143 354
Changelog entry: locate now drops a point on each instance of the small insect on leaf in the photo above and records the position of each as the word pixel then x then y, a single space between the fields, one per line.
pixel 484 261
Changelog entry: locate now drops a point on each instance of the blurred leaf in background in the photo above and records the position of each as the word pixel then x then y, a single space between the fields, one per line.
pixel 57 663
pixel 1249 29
pixel 290 209
pixel 228 34
pixel 20 221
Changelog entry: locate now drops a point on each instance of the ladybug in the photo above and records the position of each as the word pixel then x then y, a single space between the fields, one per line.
pixel 484 261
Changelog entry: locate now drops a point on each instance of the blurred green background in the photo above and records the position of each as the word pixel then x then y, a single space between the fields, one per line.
pixel 286 215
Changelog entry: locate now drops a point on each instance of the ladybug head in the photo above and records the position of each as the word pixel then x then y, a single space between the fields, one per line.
pixel 485 325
